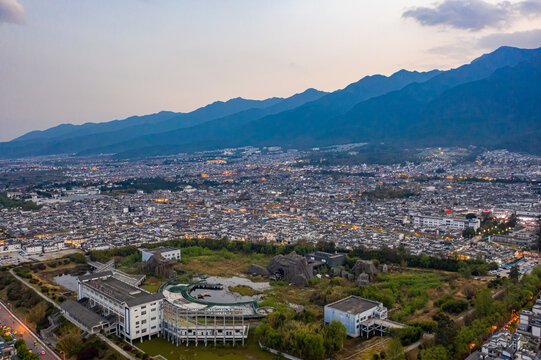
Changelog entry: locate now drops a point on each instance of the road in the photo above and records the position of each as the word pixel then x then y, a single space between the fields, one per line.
pixel 7 318
pixel 105 339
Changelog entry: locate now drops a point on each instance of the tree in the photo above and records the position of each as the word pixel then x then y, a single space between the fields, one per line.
pixel 314 347
pixel 37 313
pixel 395 350
pixel 435 353
pixel 336 334
pixel 70 344
pixel 445 330
pixel 514 273
pixel 484 303
pixel 468 233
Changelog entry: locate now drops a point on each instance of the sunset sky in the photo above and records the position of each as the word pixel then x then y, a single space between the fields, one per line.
pixel 76 61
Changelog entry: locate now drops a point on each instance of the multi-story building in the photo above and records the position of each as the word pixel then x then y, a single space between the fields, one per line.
pixel 446 222
pixel 33 249
pixel 136 311
pixel 530 321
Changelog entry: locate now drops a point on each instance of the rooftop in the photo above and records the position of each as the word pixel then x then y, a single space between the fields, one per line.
pixel 160 249
pixel 84 316
pixel 117 289
pixel 353 305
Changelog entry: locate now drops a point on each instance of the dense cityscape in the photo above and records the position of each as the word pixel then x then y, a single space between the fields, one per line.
pixel 460 204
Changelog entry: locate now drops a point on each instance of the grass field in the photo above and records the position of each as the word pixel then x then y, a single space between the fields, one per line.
pixel 250 350
pixel 219 263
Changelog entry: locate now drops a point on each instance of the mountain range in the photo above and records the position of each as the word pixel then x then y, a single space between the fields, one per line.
pixel 492 102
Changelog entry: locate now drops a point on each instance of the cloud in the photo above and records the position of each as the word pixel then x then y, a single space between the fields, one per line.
pixel 523 39
pixel 473 14
pixel 11 12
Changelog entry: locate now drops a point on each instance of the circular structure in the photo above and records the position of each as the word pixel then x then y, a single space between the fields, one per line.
pixel 203 296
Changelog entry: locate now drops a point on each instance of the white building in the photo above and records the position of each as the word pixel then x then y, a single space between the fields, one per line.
pixel 530 321
pixel 359 316
pixel 52 247
pixel 168 253
pixel 446 222
pixel 137 312
pixel 33 249
pixel 11 247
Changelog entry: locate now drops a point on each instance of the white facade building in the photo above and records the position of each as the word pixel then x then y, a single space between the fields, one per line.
pixel 357 315
pixel 137 312
pixel 33 249
pixel 168 253
pixel 446 222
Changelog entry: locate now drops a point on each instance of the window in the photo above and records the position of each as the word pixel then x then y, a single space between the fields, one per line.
pixel 137 323
pixel 144 331
pixel 143 322
pixel 143 313
pixel 153 327
pixel 153 318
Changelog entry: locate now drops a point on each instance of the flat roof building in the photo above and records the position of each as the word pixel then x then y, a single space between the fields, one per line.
pixel 326 258
pixel 136 311
pixel 360 316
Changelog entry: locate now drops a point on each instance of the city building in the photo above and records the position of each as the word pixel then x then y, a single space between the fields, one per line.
pixel 168 253
pixel 530 321
pixel 446 222
pixel 136 312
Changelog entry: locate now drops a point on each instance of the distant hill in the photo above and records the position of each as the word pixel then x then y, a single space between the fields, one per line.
pixel 493 101
pixel 369 120
pixel 68 139
pixel 215 133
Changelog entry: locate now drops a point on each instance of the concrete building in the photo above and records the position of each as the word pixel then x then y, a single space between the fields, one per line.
pixel 530 322
pixel 33 249
pixel 327 258
pixel 168 253
pixel 136 312
pixel 85 318
pixel 359 316
pixel 446 222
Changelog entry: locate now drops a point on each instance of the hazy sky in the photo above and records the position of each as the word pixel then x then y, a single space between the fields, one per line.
pixel 97 60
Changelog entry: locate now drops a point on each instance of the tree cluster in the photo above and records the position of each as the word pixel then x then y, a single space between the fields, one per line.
pixel 301 334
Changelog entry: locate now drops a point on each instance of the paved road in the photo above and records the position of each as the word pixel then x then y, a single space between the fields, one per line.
pixel 112 344
pixel 7 318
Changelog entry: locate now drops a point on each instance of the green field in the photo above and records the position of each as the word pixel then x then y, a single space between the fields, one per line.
pixel 250 350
